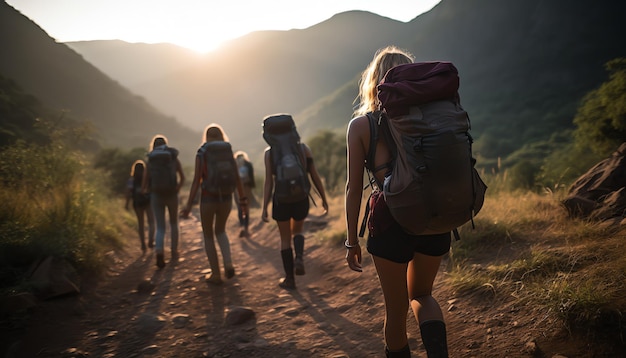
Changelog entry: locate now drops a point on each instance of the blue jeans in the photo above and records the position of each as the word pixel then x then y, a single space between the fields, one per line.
pixel 159 202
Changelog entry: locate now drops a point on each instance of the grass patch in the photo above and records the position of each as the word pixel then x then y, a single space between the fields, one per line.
pixel 54 204
pixel 525 248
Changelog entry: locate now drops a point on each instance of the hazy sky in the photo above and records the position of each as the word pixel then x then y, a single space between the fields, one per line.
pixel 197 24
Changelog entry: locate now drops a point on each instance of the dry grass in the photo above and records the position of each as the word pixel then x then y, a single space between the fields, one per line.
pixel 525 248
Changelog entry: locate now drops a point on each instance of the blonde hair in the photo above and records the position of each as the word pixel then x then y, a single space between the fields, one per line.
pixel 242 154
pixel 384 59
pixel 214 132
pixel 158 140
pixel 136 167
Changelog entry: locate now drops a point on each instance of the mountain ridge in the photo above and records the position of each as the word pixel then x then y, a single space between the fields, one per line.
pixel 524 67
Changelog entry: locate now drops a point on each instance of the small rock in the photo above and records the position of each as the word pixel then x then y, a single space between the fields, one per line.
pixel 531 347
pixel 180 320
pixel 145 286
pixel 238 315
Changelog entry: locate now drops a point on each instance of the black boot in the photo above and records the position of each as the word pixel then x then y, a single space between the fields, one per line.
pixel 402 353
pixel 289 282
pixel 298 244
pixel 434 338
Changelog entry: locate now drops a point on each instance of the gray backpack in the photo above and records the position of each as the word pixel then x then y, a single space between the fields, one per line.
pixel 162 166
pixel 291 181
pixel 432 186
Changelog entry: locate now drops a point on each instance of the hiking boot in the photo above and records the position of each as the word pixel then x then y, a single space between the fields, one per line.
pixel 288 283
pixel 160 261
pixel 242 233
pixel 299 266
pixel 143 247
pixel 229 272
pixel 214 280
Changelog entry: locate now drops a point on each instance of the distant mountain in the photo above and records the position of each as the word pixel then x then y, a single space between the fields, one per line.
pixel 524 66
pixel 135 63
pixel 62 80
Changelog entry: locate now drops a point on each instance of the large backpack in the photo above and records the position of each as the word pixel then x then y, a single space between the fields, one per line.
pixel 433 186
pixel 162 166
pixel 245 174
pixel 220 168
pixel 291 182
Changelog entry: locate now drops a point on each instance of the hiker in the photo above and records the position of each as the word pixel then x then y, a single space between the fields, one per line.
pixel 246 174
pixel 163 179
pixel 286 155
pixel 216 199
pixel 141 203
pixel 407 265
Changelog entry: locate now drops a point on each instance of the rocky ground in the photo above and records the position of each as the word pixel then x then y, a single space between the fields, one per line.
pixel 137 310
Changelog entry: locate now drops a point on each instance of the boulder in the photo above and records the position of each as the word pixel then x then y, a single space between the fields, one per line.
pixel 54 277
pixel 600 193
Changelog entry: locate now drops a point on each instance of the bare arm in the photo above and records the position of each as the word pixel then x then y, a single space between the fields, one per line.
pixel 268 186
pixel 145 181
pixel 129 194
pixel 181 175
pixel 241 194
pixel 195 184
pixel 358 129
pixel 315 177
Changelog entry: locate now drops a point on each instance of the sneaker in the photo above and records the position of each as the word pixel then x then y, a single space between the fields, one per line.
pixel 287 283
pixel 160 261
pixel 299 266
pixel 229 272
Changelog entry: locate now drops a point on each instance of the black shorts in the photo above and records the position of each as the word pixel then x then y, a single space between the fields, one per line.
pixel 297 211
pixel 388 240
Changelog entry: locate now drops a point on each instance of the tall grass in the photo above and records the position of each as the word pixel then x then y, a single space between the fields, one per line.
pixel 53 204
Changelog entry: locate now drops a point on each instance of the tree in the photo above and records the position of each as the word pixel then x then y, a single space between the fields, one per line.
pixel 601 118
pixel 329 151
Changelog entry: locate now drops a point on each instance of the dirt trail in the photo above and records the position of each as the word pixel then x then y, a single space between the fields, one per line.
pixel 334 312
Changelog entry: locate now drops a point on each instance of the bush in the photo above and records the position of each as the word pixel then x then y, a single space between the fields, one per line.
pixel 53 205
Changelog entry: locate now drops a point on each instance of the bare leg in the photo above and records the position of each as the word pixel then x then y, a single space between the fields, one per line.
pixel 286 254
pixel 207 214
pixel 151 230
pixel 221 216
pixel 421 275
pixel 140 227
pixel 392 277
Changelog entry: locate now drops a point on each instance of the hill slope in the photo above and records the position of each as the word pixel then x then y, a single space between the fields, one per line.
pixel 61 79
pixel 524 67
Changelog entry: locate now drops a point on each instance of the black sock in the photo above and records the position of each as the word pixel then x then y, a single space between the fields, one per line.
pixel 434 338
pixel 287 256
pixel 298 245
pixel 402 353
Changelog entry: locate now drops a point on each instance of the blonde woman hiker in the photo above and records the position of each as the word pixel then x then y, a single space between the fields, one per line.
pixel 141 204
pixel 407 265
pixel 246 175
pixel 217 176
pixel 163 179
